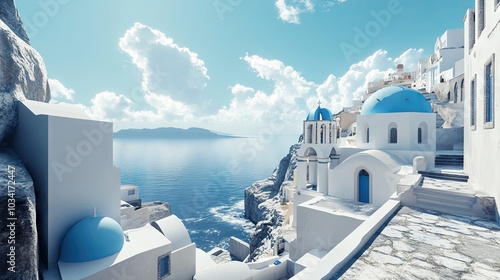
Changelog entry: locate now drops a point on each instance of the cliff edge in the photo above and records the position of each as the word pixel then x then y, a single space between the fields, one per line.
pixel 262 204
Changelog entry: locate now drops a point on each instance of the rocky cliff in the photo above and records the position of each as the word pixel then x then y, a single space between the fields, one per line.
pixel 22 70
pixel 18 234
pixel 10 16
pixel 22 76
pixel 262 204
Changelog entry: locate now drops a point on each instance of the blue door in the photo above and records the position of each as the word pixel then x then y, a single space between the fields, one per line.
pixel 364 187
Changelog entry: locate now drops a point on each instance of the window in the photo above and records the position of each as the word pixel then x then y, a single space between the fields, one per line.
pixel 489 94
pixel 480 15
pixel 473 103
pixel 497 2
pixel 131 192
pixel 393 135
pixel 472 29
pixel 309 135
pixel 455 93
pixel 462 91
pixel 164 266
pixel 368 135
pixel 419 135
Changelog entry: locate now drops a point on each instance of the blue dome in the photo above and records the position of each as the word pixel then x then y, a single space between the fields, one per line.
pixel 320 114
pixel 396 99
pixel 92 239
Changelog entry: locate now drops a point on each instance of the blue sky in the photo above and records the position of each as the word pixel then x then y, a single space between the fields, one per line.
pixel 237 66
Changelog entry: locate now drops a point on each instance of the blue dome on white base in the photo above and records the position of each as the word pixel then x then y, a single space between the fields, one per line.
pixel 396 99
pixel 321 114
pixel 91 239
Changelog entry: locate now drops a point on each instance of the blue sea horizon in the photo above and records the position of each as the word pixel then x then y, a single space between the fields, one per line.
pixel 203 180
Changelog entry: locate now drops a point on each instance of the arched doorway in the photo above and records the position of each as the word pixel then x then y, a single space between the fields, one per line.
pixel 364 186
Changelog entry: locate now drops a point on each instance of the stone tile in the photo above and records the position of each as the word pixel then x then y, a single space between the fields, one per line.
pixel 421 264
pixel 452 264
pixel 440 231
pixel 389 232
pixel 384 249
pixel 415 228
pixel 401 246
pixel 457 256
pixel 422 273
pixel 431 239
pixel 384 259
pixel 420 256
pixel 400 228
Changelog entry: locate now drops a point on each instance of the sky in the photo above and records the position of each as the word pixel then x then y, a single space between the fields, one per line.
pixel 246 67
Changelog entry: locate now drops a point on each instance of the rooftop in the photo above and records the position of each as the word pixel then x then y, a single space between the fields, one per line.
pixel 418 243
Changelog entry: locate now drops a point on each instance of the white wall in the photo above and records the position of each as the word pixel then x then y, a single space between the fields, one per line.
pixel 482 144
pixel 407 125
pixel 382 169
pixel 125 192
pixel 75 171
pixel 320 228
pixel 183 264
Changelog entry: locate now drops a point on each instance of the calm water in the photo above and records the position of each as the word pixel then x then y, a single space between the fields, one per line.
pixel 203 180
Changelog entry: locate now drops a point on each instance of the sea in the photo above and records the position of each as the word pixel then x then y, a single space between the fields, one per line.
pixel 203 180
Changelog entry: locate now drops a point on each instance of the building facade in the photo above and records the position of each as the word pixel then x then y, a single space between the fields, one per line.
pixel 482 134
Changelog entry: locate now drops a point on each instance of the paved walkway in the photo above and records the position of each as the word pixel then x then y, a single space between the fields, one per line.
pixel 422 244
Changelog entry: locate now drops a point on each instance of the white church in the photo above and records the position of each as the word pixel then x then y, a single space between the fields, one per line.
pixel 395 128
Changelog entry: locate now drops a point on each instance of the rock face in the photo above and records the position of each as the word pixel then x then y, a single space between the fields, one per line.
pixel 18 234
pixel 157 210
pixel 10 16
pixel 22 70
pixel 262 201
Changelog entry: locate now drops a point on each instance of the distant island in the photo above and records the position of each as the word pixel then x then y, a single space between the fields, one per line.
pixel 170 133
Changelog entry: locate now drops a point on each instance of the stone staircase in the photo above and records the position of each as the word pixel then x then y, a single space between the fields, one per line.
pixel 449 160
pixel 446 201
pixel 445 176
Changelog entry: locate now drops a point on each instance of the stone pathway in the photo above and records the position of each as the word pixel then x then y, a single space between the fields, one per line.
pixel 422 244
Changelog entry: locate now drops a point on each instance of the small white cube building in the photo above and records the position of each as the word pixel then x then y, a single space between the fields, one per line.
pixel 70 158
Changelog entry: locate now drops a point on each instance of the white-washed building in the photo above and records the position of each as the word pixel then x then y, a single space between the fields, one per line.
pixel 482 114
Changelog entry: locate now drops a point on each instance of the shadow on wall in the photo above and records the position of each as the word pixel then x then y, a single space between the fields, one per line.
pixel 446 138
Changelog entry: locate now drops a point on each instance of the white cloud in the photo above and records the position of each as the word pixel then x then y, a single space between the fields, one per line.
pixel 173 81
pixel 109 106
pixel 59 92
pixel 172 75
pixel 293 96
pixel 257 106
pixel 174 97
pixel 410 58
pixel 290 12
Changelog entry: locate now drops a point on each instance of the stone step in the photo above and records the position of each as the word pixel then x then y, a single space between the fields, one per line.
pixel 445 176
pixel 452 202
pixel 446 209
pixel 463 201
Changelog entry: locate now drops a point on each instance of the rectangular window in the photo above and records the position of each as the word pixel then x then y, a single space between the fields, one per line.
pixel 131 192
pixel 489 94
pixel 480 15
pixel 163 266
pixel 473 103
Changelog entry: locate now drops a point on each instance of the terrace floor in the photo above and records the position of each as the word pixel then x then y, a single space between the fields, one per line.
pixel 422 244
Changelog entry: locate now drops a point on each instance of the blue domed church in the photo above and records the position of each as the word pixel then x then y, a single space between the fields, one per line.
pixel 396 136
